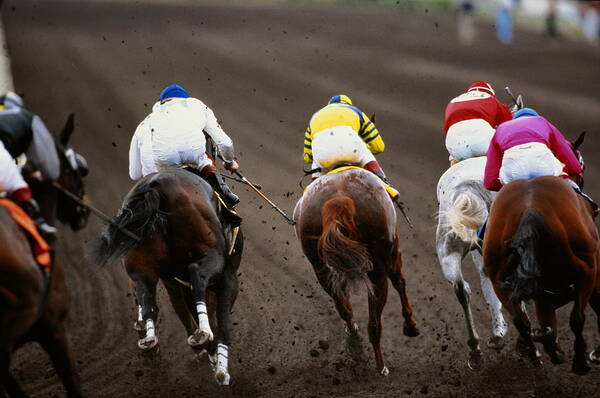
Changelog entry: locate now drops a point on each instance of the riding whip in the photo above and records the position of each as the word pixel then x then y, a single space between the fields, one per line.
pixel 97 212
pixel 262 195
pixel 405 214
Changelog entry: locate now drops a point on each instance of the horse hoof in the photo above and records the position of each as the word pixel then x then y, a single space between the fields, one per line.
pixel 139 326
pixel 385 371
pixel 147 343
pixel 580 368
pixel 595 357
pixel 200 337
pixel 475 361
pixel 411 330
pixel 222 377
pixel 351 331
pixel 496 343
pixel 557 357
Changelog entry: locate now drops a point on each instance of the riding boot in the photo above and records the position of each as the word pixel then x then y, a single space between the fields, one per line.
pixel 216 182
pixel 32 209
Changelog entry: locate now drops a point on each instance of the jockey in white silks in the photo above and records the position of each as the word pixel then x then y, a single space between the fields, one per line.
pixel 173 135
pixel 22 132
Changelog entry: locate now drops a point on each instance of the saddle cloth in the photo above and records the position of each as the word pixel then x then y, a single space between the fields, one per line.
pixel 388 188
pixel 40 248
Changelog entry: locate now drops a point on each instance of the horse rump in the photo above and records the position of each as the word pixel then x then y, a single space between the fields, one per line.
pixel 139 214
pixel 339 248
pixel 525 248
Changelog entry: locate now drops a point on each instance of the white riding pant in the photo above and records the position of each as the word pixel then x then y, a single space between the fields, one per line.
pixel 468 139
pixel 527 161
pixel 10 175
pixel 340 144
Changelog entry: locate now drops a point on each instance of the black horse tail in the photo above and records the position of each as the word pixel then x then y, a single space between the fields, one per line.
pixel 139 215
pixel 526 246
pixel 339 248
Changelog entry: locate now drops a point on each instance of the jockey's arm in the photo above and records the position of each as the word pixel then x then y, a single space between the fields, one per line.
pixel 135 162
pixel 563 151
pixel 370 135
pixel 42 151
pixel 220 138
pixel 308 146
pixel 491 178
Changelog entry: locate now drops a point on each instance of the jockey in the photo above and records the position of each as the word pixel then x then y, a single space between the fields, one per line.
pixel 22 132
pixel 172 135
pixel 470 120
pixel 527 147
pixel 342 133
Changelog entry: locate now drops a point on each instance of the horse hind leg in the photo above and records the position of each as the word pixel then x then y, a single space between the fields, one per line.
pixel 176 295
pixel 595 304
pixel 577 321
pixel 200 275
pixel 499 325
pixel 145 288
pixel 377 301
pixel 525 345
pixel 450 263
pixel 57 344
pixel 547 334
pixel 395 274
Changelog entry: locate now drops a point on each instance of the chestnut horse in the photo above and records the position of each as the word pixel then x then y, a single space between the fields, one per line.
pixel 541 244
pixel 346 223
pixel 181 239
pixel 34 304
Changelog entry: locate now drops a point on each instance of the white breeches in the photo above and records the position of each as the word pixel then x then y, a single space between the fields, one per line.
pixel 155 156
pixel 468 139
pixel 339 144
pixel 527 161
pixel 10 176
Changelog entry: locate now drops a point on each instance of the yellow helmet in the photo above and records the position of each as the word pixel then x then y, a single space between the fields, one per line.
pixel 340 99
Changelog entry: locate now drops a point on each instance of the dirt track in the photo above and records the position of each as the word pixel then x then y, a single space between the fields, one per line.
pixel 264 70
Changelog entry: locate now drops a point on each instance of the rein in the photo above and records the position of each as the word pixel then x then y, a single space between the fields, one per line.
pixel 98 213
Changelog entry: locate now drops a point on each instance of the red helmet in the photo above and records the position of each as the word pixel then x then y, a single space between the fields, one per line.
pixel 482 86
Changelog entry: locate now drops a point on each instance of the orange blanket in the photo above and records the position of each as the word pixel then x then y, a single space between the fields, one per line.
pixel 41 250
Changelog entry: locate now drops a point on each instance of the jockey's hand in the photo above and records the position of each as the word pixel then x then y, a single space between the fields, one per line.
pixel 233 166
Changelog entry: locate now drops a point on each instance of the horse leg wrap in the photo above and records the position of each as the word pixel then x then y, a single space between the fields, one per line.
pixel 221 368
pixel 150 341
pixel 204 332
pixel 150 330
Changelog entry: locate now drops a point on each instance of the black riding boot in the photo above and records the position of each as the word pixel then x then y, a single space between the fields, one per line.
pixel 379 173
pixel 216 182
pixel 32 209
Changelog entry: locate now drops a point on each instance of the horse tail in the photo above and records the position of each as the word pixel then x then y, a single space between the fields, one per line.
pixel 526 246
pixel 467 213
pixel 139 214
pixel 339 248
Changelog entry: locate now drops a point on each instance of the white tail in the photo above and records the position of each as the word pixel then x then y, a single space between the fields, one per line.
pixel 465 216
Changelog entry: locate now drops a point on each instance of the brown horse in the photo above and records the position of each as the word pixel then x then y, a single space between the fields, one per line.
pixel 541 244
pixel 181 239
pixel 346 224
pixel 34 305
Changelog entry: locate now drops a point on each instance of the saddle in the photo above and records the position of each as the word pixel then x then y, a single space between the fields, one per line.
pixel 39 247
pixel 338 168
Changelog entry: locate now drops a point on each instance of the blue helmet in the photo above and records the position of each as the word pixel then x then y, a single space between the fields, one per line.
pixel 173 91
pixel 525 112
pixel 340 99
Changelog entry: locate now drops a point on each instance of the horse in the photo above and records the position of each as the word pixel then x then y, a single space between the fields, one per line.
pixel 35 305
pixel 346 224
pixel 178 221
pixel 463 207
pixel 542 244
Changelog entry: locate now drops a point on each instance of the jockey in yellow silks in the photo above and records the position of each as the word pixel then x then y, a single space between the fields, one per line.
pixel 340 133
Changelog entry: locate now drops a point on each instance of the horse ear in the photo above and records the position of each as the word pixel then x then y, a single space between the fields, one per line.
pixel 373 118
pixel 67 131
pixel 577 143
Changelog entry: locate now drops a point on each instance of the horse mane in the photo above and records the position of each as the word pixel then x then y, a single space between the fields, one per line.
pixel 339 248
pixel 526 246
pixel 139 214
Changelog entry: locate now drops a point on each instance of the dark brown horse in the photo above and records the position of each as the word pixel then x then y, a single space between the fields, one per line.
pixel 33 304
pixel 541 244
pixel 182 239
pixel 346 224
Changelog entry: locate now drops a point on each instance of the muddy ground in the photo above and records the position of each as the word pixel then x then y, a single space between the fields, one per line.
pixel 264 69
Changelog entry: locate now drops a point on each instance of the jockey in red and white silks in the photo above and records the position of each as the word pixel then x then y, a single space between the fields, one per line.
pixel 173 135
pixel 470 120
